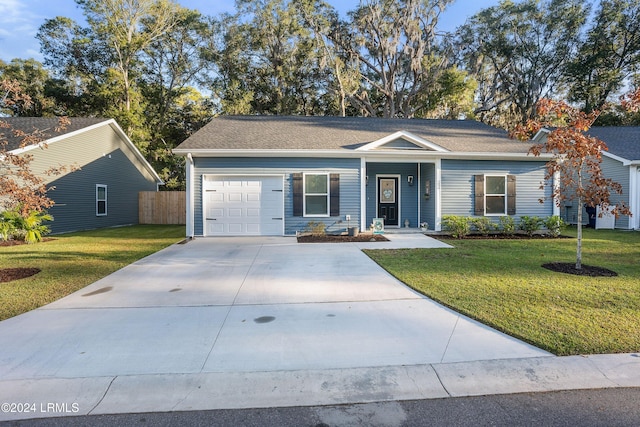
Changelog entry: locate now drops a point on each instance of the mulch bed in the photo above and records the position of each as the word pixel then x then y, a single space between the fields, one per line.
pixel 328 238
pixel 10 274
pixel 22 242
pixel 586 270
pixel 499 236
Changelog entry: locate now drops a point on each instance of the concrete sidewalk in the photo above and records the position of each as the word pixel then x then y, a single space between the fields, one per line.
pixel 262 322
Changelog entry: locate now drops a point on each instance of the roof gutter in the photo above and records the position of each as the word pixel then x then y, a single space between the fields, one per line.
pixel 381 154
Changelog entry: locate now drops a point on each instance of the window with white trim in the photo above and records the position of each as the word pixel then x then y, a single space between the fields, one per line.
pixel 101 200
pixel 495 195
pixel 316 194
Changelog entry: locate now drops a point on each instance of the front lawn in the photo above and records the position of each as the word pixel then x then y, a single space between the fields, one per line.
pixel 70 262
pixel 501 283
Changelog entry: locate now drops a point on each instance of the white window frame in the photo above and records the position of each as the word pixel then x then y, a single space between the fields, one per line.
pixel 487 195
pixel 98 199
pixel 305 194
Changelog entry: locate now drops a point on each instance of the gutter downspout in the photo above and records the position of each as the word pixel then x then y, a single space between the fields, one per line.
pixel 190 175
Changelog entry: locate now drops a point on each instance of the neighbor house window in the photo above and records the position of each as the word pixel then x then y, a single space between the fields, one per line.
pixel 495 195
pixel 101 200
pixel 316 194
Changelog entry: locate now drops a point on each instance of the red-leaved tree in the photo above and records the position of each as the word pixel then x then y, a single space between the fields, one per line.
pixel 631 101
pixel 21 188
pixel 576 163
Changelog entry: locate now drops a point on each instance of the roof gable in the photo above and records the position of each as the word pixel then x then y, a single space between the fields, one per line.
pixel 623 142
pixel 78 125
pixel 401 140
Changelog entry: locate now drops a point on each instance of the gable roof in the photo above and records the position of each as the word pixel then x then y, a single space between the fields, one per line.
pixel 623 141
pixel 402 140
pixel 322 133
pixel 46 125
pixel 77 125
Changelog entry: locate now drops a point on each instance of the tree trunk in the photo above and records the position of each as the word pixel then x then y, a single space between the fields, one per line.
pixel 579 245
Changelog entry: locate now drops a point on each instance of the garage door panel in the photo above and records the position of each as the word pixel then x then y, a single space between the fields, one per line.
pixel 253 197
pixel 244 206
pixel 235 197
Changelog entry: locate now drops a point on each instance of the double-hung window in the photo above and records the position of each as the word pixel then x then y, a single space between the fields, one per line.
pixel 495 195
pixel 316 194
pixel 101 200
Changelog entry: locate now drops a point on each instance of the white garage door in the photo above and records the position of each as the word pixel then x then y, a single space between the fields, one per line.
pixel 243 205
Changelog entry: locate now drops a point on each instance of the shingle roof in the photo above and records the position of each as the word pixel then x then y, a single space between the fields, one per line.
pixel 343 133
pixel 623 141
pixel 45 124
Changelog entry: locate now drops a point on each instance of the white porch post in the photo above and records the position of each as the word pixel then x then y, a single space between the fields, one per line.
pixel 634 197
pixel 438 201
pixel 363 194
pixel 190 175
pixel 419 194
pixel 556 186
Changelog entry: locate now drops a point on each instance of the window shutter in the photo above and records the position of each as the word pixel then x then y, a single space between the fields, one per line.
pixel 297 194
pixel 511 194
pixel 479 195
pixel 334 194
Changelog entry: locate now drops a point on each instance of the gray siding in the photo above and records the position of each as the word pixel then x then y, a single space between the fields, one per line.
pixel 103 158
pixel 619 173
pixel 428 206
pixel 458 186
pixel 349 170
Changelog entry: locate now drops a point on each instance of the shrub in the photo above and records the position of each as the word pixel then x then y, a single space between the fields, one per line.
pixel 27 228
pixel 7 225
pixel 483 225
pixel 555 225
pixel 316 227
pixel 458 225
pixel 508 225
pixel 530 224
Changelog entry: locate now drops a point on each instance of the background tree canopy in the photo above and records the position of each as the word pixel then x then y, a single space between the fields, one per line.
pixel 163 71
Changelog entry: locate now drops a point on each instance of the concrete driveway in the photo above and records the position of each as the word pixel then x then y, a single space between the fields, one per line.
pixel 242 322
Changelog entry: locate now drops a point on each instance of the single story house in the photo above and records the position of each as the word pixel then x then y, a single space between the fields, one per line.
pixel 273 175
pixel 103 192
pixel 622 164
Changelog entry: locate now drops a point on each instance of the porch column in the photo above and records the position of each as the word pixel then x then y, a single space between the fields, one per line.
pixel 363 194
pixel 419 194
pixel 190 175
pixel 438 201
pixel 556 186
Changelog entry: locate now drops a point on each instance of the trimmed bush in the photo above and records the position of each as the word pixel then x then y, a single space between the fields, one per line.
pixel 508 225
pixel 483 225
pixel 530 224
pixel 555 225
pixel 316 227
pixel 458 225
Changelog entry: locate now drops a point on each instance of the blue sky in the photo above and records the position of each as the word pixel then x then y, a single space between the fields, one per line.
pixel 20 19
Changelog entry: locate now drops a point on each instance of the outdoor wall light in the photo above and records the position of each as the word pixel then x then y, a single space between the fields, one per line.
pixel 366 180
pixel 410 179
pixel 427 189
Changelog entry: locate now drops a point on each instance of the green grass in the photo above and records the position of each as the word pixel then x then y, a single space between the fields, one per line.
pixel 501 283
pixel 72 261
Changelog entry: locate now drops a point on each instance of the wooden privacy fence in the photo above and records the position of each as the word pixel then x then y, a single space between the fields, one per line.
pixel 162 207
